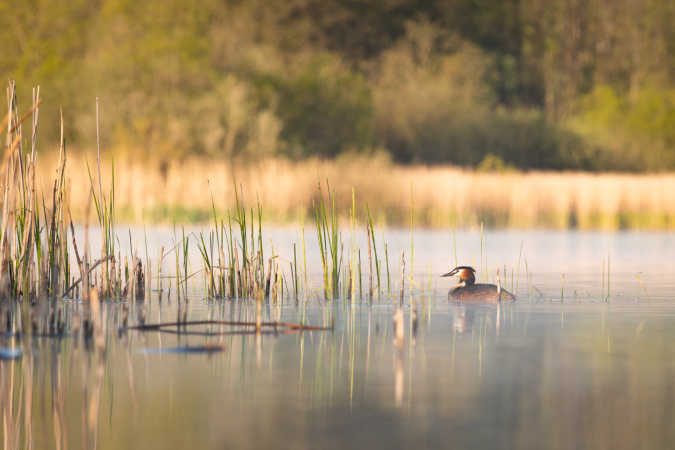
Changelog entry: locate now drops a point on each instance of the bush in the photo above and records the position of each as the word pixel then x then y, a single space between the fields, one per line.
pixel 324 109
pixel 435 105
pixel 635 132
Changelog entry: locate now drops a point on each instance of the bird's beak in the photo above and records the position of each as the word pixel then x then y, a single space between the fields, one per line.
pixel 449 274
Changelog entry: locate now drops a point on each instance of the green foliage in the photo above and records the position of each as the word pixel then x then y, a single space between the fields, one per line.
pixel 324 109
pixel 538 84
pixel 493 163
pixel 636 131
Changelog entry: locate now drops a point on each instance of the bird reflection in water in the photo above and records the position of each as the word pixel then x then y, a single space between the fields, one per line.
pixel 462 320
pixel 463 316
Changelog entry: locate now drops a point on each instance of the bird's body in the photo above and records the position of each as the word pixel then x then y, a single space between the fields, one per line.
pixel 468 291
pixel 485 293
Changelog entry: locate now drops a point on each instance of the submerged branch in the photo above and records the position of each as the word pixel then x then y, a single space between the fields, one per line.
pixel 244 332
pixel 289 325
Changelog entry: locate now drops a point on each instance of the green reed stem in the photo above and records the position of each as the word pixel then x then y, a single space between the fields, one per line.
pixel 377 261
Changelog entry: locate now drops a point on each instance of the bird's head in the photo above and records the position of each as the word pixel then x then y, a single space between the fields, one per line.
pixel 466 274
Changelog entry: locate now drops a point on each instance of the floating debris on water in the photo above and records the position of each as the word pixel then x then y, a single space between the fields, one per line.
pixel 214 348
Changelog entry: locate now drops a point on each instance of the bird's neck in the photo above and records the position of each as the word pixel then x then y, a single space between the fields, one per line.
pixel 467 277
pixel 468 281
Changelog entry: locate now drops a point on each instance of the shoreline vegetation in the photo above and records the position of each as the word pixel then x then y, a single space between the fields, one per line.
pixel 444 196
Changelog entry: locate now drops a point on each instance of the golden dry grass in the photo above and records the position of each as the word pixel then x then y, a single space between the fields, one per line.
pixel 443 196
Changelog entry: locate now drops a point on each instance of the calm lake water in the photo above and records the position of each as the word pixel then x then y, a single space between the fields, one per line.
pixel 563 367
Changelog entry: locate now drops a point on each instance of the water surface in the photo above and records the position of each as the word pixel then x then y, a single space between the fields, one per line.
pixel 569 365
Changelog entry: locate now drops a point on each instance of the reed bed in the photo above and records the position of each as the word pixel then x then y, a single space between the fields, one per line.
pixel 41 259
pixel 180 191
pixel 38 248
pixel 38 245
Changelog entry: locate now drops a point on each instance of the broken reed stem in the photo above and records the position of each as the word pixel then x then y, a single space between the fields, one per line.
pixel 91 269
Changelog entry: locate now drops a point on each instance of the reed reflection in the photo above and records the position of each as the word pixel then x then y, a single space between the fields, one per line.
pixel 510 366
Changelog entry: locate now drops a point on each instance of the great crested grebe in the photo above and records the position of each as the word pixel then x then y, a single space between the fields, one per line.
pixel 468 291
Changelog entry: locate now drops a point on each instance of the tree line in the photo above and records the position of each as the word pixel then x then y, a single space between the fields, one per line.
pixel 551 84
